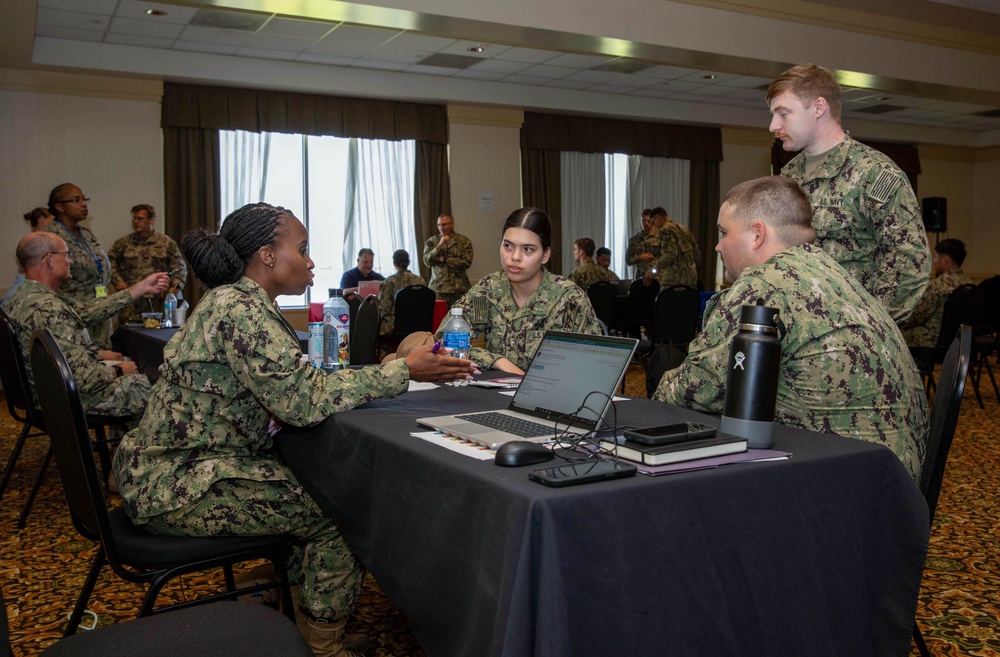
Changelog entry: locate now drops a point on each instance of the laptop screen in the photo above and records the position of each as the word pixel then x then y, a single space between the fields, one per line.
pixel 567 367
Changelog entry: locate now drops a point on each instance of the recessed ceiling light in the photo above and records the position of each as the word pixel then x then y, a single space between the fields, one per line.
pixel 478 48
pixel 710 76
pixel 885 98
pixel 156 12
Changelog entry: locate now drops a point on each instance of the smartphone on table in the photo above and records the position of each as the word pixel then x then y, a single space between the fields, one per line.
pixel 669 433
pixel 583 472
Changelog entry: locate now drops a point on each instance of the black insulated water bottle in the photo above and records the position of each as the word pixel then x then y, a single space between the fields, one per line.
pixel 752 378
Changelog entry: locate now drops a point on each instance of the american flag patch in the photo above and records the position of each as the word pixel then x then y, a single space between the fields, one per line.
pixel 884 186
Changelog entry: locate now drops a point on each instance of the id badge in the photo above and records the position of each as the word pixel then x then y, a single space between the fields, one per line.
pixel 100 291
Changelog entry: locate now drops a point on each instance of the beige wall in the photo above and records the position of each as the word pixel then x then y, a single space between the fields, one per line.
pixel 484 158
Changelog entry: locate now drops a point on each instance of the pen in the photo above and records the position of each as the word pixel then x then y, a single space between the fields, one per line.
pixel 436 347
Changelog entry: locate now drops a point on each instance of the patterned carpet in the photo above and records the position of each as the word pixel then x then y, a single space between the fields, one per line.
pixel 42 567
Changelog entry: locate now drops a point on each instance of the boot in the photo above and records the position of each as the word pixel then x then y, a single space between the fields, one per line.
pixel 354 642
pixel 327 639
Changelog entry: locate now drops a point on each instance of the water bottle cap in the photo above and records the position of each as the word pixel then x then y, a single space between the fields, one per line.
pixel 759 318
pixel 456 311
pixel 336 291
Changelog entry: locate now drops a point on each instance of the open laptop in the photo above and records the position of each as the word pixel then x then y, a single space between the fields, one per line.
pixel 569 369
pixel 366 288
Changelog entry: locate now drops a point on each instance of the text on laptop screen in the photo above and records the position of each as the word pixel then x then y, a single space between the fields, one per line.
pixel 566 369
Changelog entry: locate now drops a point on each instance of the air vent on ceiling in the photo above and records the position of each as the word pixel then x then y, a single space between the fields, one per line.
pixel 878 109
pixel 623 65
pixel 992 113
pixel 444 60
pixel 230 20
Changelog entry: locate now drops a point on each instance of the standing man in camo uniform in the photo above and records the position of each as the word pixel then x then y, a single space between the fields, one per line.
pixel 923 327
pixel 844 366
pixel 589 272
pixel 644 246
pixel 679 255
pixel 387 293
pixel 108 389
pixel 864 211
pixel 142 252
pixel 449 256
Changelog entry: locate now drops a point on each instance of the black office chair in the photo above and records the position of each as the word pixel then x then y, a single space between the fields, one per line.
pixel 22 408
pixel 602 297
pixel 678 308
pixel 986 342
pixel 943 420
pixel 222 630
pixel 133 553
pixel 364 332
pixel 641 307
pixel 414 311
pixel 964 305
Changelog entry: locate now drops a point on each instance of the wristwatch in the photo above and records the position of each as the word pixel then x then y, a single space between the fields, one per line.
pixel 118 371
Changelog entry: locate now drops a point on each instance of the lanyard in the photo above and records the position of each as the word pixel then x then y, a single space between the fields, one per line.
pixel 97 258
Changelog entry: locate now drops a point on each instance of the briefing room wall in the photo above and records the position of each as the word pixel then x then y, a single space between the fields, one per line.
pixel 110 147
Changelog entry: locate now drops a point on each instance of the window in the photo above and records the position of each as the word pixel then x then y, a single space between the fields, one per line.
pixel 349 193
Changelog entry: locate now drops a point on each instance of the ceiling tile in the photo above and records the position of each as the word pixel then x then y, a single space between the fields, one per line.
pixel 430 70
pixel 214 36
pixel 327 47
pixel 199 46
pixel 596 77
pixel 474 74
pixel 666 72
pixel 137 40
pixel 579 61
pixel 71 19
pixel 632 81
pixel 173 13
pixel 462 48
pixel 527 55
pixel 570 84
pixel 652 92
pixel 548 72
pixel 266 54
pixel 278 42
pixel 746 82
pixel 699 76
pixel 409 41
pixel 103 7
pixel 146 28
pixel 362 37
pixel 612 89
pixel 404 57
pixel 385 66
pixel 499 66
pixel 69 33
pixel 297 28
pixel 334 60
pixel 525 79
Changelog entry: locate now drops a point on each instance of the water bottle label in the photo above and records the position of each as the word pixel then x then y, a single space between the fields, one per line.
pixel 456 340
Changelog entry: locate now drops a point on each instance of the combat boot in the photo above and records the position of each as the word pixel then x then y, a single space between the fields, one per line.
pixel 327 639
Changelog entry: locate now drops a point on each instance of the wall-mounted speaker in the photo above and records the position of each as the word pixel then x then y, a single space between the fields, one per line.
pixel 935 214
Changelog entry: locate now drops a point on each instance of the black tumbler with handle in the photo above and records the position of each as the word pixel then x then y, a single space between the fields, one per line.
pixel 752 378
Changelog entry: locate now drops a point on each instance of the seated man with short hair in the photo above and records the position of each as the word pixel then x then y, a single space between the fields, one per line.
pixel 589 272
pixel 923 327
pixel 844 366
pixel 363 272
pixel 111 390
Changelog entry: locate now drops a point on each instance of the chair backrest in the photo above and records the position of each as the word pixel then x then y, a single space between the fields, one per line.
pixel 14 375
pixel 642 300
pixel 989 318
pixel 414 309
pixel 602 298
pixel 71 443
pixel 677 310
pixel 964 305
pixel 353 300
pixel 944 414
pixel 364 332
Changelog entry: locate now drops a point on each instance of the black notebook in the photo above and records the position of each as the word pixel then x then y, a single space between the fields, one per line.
pixel 688 450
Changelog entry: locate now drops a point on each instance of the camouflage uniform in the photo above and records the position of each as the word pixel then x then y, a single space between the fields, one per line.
pixel 642 243
pixel 134 258
pixel 90 268
pixel 387 296
pixel 202 462
pixel 448 277
pixel 924 325
pixel 679 256
pixel 35 306
pixel 844 366
pixel 514 333
pixel 868 219
pixel 589 273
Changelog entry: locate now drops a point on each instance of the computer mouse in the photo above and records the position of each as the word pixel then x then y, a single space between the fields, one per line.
pixel 516 453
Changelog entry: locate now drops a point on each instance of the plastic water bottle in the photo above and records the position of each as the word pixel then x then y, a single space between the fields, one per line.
pixel 336 325
pixel 169 306
pixel 457 334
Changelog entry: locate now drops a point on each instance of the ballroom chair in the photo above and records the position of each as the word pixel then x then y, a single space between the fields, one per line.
pixel 602 297
pixel 943 420
pixel 133 553
pixel 234 629
pixel 22 408
pixel 675 321
pixel 964 305
pixel 641 306
pixel 353 300
pixel 413 308
pixel 364 332
pixel 986 342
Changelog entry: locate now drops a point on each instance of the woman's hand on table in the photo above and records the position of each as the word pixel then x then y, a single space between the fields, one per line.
pixel 425 365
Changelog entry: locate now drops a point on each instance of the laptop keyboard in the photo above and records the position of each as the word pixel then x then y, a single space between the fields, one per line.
pixel 504 422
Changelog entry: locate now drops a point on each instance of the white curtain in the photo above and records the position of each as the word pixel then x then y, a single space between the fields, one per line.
pixel 379 207
pixel 582 177
pixel 243 159
pixel 616 230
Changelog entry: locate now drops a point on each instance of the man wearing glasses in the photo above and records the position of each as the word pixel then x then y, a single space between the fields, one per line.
pixel 449 256
pixel 115 389
pixel 141 253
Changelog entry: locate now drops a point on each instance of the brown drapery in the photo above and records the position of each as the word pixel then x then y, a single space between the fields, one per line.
pixel 192 115
pixel 906 157
pixel 544 136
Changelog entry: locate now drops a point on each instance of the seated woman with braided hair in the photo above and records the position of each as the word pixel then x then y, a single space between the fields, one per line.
pixel 202 462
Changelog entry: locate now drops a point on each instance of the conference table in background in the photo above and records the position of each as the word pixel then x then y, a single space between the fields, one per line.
pixel 818 555
pixel 145 346
pixel 440 310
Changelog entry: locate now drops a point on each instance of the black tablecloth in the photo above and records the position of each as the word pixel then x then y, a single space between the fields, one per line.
pixel 818 555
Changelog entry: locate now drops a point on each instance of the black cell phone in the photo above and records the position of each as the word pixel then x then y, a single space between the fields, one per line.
pixel 571 474
pixel 669 433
